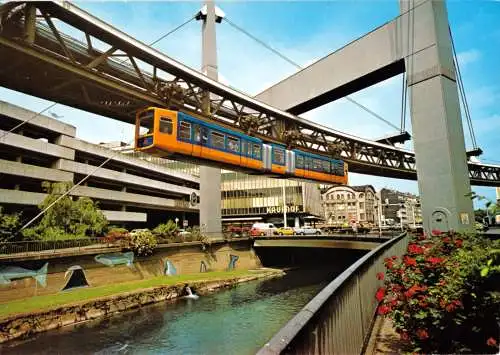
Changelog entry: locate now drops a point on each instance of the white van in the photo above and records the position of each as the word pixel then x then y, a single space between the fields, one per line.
pixel 263 229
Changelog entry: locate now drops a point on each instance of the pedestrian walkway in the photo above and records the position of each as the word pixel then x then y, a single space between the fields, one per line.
pixel 384 339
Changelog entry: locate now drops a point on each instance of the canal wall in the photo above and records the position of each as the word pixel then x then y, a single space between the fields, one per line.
pixel 24 325
pixel 51 275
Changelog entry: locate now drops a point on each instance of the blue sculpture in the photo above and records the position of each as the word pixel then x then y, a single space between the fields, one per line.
pixel 232 262
pixel 170 269
pixel 113 259
pixel 10 273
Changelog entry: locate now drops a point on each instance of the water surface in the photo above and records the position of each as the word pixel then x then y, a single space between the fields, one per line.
pixel 235 321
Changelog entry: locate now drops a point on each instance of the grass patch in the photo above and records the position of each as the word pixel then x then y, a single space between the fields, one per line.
pixel 46 302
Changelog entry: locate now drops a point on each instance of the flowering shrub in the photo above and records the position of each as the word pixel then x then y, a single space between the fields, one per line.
pixel 443 294
pixel 142 242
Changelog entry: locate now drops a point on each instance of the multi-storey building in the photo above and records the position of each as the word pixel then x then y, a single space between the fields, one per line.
pixel 400 207
pixel 129 190
pixel 246 199
pixel 344 205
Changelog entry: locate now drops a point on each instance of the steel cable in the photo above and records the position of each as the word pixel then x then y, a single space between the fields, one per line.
pixel 281 55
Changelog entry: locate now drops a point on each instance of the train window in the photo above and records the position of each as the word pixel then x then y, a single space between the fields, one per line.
pixel 244 147
pixel 217 140
pixel 147 121
pixel 233 144
pixel 299 161
pixel 185 131
pixel 317 164
pixel 249 149
pixel 166 125
pixel 278 156
pixel 197 132
pixel 307 163
pixel 326 166
pixel 257 151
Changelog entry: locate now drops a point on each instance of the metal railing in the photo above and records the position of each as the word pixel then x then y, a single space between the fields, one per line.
pixel 339 318
pixel 51 246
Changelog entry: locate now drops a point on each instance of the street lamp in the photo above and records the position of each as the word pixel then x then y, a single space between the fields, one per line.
pixel 176 221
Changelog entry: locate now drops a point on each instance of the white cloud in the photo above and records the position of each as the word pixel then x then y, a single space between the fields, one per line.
pixel 467 57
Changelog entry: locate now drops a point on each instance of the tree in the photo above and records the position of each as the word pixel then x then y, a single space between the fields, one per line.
pixel 66 219
pixel 9 224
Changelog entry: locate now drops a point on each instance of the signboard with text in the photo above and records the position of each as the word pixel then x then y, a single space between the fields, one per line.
pixel 279 209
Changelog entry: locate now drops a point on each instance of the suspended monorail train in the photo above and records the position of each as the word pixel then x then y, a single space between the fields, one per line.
pixel 181 136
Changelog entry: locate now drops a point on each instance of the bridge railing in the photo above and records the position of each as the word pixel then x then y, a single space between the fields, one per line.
pixel 51 246
pixel 339 318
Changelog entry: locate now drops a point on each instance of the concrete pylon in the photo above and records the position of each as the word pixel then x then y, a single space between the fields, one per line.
pixel 210 178
pixel 436 119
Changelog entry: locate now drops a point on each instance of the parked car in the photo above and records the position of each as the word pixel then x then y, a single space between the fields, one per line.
pixel 285 231
pixel 306 230
pixel 263 229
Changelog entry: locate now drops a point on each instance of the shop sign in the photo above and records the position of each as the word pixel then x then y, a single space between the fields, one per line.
pixel 279 209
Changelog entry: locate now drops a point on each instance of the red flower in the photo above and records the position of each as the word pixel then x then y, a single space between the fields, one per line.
pixel 383 309
pixel 380 294
pixel 380 276
pixel 389 263
pixel 434 260
pixel 414 289
pixel 446 239
pixel 410 261
pixel 394 257
pixel 442 282
pixel 491 341
pixel 458 243
pixel 436 232
pixel 404 336
pixel 450 307
pixel 415 249
pixel 422 334
pixel 396 288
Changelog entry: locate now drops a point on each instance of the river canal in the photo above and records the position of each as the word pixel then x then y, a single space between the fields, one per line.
pixel 234 321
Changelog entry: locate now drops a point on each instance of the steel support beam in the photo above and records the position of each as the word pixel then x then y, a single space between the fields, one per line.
pixel 436 120
pixel 210 178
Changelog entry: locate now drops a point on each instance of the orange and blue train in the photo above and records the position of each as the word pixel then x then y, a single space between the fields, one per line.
pixel 183 136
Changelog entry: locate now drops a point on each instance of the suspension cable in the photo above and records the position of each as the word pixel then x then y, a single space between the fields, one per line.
pixel 123 61
pixel 71 189
pixel 462 92
pixel 281 55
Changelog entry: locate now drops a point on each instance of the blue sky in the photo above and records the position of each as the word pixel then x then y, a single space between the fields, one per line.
pixel 305 32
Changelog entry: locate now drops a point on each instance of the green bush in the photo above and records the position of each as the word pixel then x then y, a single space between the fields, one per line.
pixel 443 295
pixel 166 230
pixel 142 242
pixel 66 218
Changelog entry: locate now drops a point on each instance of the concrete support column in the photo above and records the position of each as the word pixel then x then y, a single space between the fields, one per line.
pixel 210 178
pixel 436 120
pixel 297 222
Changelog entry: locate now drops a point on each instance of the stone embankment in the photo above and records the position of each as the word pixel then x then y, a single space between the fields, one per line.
pixel 25 325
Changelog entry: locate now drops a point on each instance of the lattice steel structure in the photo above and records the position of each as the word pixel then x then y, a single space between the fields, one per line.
pixel 94 75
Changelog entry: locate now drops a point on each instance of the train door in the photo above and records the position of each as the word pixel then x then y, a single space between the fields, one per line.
pixel 204 142
pixel 197 140
pixel 244 153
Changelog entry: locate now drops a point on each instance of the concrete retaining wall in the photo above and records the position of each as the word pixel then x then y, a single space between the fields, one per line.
pixel 186 259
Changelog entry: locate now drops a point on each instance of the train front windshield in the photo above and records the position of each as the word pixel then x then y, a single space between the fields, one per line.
pixel 146 129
